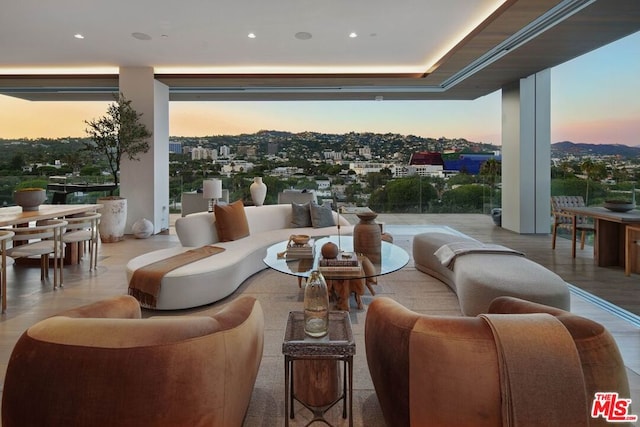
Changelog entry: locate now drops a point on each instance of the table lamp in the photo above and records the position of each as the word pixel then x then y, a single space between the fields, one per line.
pixel 212 190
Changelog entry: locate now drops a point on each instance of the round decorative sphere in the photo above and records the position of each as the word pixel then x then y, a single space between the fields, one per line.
pixel 142 228
pixel 329 250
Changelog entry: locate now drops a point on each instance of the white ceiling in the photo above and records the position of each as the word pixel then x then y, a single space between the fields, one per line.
pixel 205 36
pixel 200 36
pixel 405 49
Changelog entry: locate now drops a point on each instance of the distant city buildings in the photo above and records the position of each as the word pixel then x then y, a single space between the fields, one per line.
pixel 363 168
pixel 400 171
pixel 332 155
pixel 347 159
pixel 236 166
pixel 468 162
pixel 426 158
pixel 364 152
pixel 286 171
pixel 246 150
pixel 272 148
pixel 200 153
pixel 175 147
pixel 426 163
pixel 323 184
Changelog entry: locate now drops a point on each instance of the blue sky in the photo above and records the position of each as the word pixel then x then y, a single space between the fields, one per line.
pixel 595 99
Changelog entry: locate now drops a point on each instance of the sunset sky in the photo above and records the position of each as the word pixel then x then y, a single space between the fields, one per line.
pixel 594 99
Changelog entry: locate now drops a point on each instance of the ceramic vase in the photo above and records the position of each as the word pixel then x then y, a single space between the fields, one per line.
pixel 114 218
pixel 258 191
pixel 367 237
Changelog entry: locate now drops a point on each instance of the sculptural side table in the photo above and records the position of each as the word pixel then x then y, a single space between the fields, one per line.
pixel 337 345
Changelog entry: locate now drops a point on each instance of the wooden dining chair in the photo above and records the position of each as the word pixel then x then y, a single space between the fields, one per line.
pixel 43 240
pixel 83 229
pixel 562 219
pixel 631 249
pixel 5 236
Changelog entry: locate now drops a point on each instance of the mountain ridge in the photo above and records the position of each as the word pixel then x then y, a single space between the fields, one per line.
pixel 584 149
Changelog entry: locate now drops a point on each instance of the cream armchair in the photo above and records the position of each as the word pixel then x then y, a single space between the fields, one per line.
pixel 101 365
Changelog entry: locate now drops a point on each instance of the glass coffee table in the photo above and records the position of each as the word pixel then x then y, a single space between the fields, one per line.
pixel 393 258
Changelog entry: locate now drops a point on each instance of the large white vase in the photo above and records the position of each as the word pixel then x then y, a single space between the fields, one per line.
pixel 258 191
pixel 114 219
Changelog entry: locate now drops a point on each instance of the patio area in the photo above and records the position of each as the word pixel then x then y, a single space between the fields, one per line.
pixel 605 295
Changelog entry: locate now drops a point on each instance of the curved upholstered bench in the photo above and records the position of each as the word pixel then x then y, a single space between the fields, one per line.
pixel 479 278
pixel 212 279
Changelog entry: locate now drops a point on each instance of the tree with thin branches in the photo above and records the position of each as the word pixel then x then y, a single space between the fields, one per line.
pixel 118 133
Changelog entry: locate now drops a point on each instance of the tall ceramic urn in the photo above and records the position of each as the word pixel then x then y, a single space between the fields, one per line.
pixel 258 191
pixel 114 218
pixel 367 237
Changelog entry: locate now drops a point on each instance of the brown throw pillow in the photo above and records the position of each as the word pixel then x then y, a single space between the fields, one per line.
pixel 231 221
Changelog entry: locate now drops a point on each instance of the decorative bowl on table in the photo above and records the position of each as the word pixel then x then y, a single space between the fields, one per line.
pixel 30 199
pixel 619 205
pixel 299 239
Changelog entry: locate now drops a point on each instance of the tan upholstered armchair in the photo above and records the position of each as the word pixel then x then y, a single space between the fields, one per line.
pixel 525 364
pixel 101 365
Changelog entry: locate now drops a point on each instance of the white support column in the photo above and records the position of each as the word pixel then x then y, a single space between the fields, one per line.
pixel 145 183
pixel 526 154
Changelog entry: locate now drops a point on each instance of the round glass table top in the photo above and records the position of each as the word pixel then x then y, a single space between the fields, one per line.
pixel 392 257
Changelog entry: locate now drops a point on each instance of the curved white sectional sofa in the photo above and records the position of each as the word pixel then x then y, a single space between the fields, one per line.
pixel 211 279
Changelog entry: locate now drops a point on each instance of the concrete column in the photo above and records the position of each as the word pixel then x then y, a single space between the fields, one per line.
pixel 526 154
pixel 145 183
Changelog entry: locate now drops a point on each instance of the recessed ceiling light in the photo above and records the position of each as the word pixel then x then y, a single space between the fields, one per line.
pixel 251 35
pixel 353 35
pixel 302 35
pixel 78 36
pixel 141 36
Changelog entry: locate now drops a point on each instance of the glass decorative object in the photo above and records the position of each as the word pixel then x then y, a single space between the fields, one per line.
pixel 316 306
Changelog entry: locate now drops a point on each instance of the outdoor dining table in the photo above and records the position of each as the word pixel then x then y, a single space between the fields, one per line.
pixel 609 241
pixel 14 216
